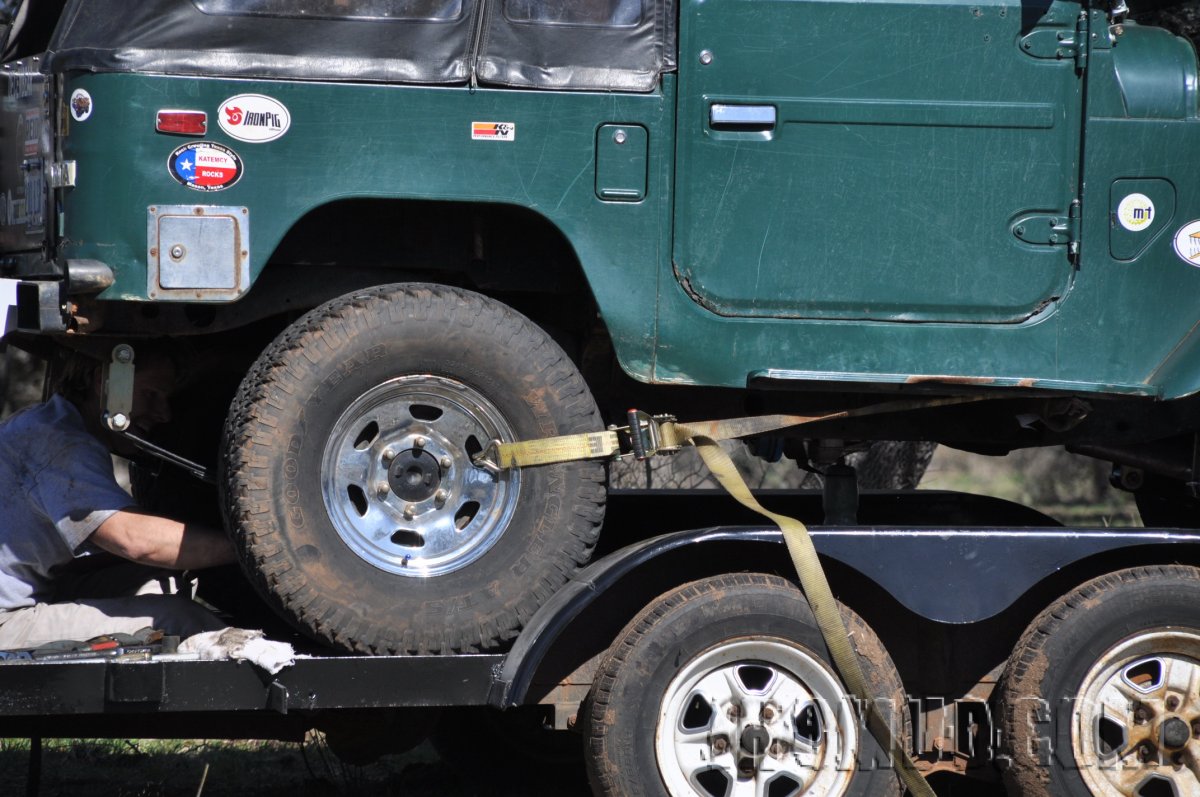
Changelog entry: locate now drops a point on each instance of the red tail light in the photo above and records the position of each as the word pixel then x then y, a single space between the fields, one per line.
pixel 183 123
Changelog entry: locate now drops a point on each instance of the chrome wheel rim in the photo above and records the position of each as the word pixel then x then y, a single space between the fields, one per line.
pixel 1135 728
pixel 399 483
pixel 756 717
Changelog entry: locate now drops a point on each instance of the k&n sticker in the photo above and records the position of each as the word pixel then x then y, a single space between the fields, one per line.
pixel 494 131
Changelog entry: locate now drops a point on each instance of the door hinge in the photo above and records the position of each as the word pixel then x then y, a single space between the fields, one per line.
pixel 1054 230
pixel 1059 43
pixel 60 174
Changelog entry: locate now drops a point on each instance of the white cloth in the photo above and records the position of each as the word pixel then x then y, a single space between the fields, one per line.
pixel 243 645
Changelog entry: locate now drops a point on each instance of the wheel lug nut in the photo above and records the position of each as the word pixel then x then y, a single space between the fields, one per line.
pixel 382 489
pixel 720 745
pixel 777 749
pixel 1145 753
pixel 410 511
pixel 1172 703
pixel 1141 715
pixel 734 713
pixel 440 497
pixel 388 455
pixel 768 713
pixel 1196 728
pixel 445 463
pixel 419 442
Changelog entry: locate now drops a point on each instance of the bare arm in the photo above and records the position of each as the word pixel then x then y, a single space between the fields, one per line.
pixel 161 542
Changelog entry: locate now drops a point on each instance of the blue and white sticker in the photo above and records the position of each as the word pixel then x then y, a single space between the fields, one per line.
pixel 1187 243
pixel 254 118
pixel 205 166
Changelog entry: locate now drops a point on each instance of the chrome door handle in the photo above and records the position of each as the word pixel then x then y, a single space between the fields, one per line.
pixel 724 116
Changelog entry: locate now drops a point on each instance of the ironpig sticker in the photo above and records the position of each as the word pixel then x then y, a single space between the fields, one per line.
pixel 254 118
pixel 205 166
pixel 494 131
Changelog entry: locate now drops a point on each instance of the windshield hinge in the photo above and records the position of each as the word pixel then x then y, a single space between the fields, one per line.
pixel 60 174
pixel 1050 229
pixel 1059 43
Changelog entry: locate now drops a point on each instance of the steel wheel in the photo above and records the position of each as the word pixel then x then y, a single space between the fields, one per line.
pixel 723 688
pixel 755 718
pixel 1101 696
pixel 1138 718
pixel 398 480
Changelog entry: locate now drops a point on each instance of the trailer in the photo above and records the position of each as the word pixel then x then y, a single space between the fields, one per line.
pixel 691 656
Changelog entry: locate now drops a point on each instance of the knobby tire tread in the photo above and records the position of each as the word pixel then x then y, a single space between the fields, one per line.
pixel 302 346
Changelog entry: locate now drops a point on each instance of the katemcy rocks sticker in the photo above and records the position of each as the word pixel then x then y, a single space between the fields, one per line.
pixel 205 166
pixel 1135 212
pixel 254 118
pixel 1187 243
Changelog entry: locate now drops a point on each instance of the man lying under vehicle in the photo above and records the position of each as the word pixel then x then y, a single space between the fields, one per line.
pixel 77 557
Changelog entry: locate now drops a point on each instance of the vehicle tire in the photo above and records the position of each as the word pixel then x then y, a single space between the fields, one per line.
pixel 349 484
pixel 1101 696
pixel 748 643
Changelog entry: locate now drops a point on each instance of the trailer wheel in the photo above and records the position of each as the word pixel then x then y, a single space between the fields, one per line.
pixel 725 687
pixel 349 483
pixel 1101 696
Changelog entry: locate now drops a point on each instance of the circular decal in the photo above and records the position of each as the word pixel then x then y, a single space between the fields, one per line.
pixel 1187 243
pixel 1135 212
pixel 205 166
pixel 254 118
pixel 81 105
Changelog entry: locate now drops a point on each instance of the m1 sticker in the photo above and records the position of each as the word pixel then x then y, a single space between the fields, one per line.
pixel 494 131
pixel 205 166
pixel 1135 212
pixel 81 105
pixel 254 118
pixel 1187 243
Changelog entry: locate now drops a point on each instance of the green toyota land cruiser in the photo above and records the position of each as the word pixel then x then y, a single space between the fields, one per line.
pixel 381 235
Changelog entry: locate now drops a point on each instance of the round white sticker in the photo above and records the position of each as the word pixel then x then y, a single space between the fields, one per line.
pixel 1135 212
pixel 81 105
pixel 1187 243
pixel 254 118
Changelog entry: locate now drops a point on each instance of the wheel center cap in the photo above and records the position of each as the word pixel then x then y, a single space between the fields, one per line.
pixel 755 740
pixel 414 475
pixel 1174 733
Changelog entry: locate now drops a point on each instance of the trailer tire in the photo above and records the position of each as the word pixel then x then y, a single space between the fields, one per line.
pixel 1090 702
pixel 348 479
pixel 647 733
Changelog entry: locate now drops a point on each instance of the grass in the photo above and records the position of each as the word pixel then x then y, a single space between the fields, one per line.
pixel 198 768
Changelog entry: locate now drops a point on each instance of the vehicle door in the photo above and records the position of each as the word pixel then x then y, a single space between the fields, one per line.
pixel 888 160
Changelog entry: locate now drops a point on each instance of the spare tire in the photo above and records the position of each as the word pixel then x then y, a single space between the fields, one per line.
pixel 349 484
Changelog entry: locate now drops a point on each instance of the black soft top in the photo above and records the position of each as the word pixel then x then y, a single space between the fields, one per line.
pixel 616 45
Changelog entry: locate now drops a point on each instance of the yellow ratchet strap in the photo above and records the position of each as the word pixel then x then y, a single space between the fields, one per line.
pixel 650 435
pixel 824 609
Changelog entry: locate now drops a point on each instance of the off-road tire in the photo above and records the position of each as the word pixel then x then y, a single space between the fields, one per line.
pixel 278 429
pixel 1047 669
pixel 622 710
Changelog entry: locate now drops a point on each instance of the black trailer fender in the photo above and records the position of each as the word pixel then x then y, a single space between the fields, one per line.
pixel 949 576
